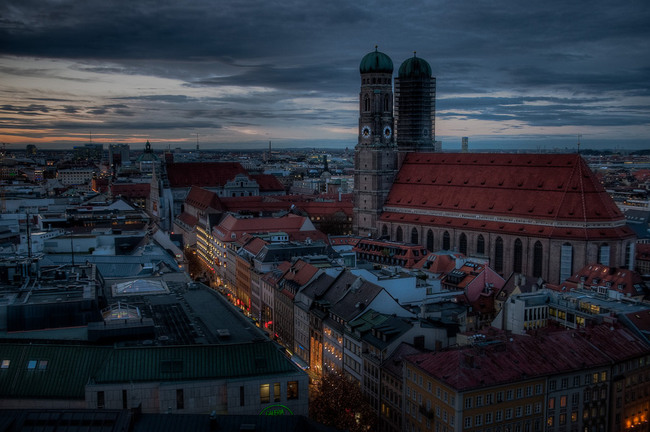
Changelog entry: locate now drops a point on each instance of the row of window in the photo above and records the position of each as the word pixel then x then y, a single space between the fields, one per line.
pixel 517 267
pixel 590 378
pixel 31 364
pixel 501 415
pixel 265 392
pixel 511 394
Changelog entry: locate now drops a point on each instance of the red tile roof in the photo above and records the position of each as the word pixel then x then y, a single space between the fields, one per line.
pixel 529 229
pixel 268 183
pixel 529 187
pixel 131 190
pixel 326 208
pixel 255 245
pixel 301 272
pixel 390 253
pixel 232 228
pixel 528 357
pixel 207 174
pixel 625 281
pixel 202 199
pixel 188 219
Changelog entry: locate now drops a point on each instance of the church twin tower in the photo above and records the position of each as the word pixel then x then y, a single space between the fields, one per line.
pixel 388 129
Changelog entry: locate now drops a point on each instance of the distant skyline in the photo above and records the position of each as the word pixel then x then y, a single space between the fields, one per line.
pixel 239 74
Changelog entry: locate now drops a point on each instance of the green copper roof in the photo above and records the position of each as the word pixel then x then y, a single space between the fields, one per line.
pixel 376 62
pixel 414 67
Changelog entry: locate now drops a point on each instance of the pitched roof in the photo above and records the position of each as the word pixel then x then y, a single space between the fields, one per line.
pixel 232 228
pixel 627 282
pixel 131 190
pixel 514 190
pixel 64 374
pixel 188 219
pixel 209 174
pixel 525 356
pixel 301 272
pixel 202 199
pixel 268 183
pixel 193 362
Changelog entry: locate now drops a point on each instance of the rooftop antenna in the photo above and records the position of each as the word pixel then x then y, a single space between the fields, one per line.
pixel 579 136
pixel 197 142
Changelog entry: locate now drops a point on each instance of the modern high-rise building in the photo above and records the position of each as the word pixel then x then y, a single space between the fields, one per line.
pixel 464 144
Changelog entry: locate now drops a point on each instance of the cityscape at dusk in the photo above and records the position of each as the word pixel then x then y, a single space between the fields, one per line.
pixel 240 74
pixel 246 216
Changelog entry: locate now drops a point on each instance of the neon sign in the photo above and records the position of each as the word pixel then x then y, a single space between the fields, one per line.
pixel 276 410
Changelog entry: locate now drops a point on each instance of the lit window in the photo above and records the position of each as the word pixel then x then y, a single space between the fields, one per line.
pixel 42 365
pixel 5 364
pixel 292 390
pixel 31 365
pixel 265 396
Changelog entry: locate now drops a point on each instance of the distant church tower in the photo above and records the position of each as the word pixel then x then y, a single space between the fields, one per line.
pixel 415 107
pixel 375 159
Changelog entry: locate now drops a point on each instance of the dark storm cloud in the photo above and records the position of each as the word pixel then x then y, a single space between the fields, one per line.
pixel 593 52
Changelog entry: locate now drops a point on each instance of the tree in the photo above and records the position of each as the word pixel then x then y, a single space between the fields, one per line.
pixel 339 403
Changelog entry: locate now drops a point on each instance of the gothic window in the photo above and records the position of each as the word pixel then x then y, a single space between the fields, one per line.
pixel 446 241
pixel 384 231
pixel 498 255
pixel 516 265
pixel 430 241
pixel 366 103
pixel 603 254
pixel 414 236
pixel 566 261
pixel 480 245
pixel 386 103
pixel 462 244
pixel 398 234
pixel 537 259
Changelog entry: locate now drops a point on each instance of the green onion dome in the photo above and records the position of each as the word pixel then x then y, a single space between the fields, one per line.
pixel 414 67
pixel 376 62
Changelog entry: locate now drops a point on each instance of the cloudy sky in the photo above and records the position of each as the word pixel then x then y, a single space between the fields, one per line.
pixel 241 73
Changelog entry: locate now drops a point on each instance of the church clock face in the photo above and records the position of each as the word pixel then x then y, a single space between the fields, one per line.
pixel 365 132
pixel 388 132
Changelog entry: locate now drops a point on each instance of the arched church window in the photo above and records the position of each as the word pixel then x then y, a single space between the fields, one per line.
pixel 414 236
pixel 384 231
pixel 386 103
pixel 430 241
pixel 603 254
pixel 538 252
pixel 366 103
pixel 566 261
pixel 480 245
pixel 517 259
pixel 629 255
pixel 498 255
pixel 462 244
pixel 446 241
pixel 398 234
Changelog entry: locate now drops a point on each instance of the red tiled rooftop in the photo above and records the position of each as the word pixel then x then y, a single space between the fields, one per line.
pixel 207 174
pixel 131 190
pixel 188 219
pixel 268 183
pixel 530 186
pixel 202 199
pixel 528 357
pixel 532 230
